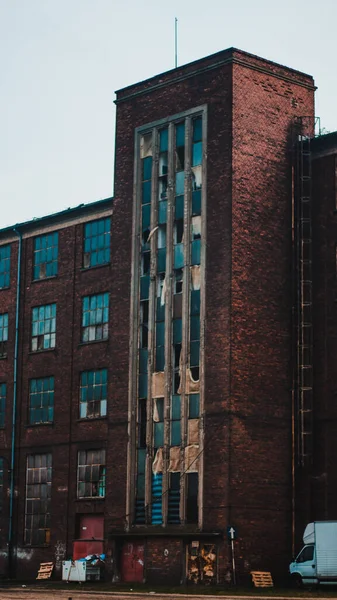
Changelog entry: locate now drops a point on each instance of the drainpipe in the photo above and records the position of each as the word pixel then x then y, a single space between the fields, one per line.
pixel 15 376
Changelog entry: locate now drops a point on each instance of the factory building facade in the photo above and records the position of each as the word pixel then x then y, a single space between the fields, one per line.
pixel 163 364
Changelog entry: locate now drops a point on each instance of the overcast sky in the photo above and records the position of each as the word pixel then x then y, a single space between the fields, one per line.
pixel 61 60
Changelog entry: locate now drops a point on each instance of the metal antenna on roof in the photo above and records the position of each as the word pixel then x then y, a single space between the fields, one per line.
pixel 175 42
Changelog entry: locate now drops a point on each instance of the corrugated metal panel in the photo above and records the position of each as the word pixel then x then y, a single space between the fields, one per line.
pixel 157 486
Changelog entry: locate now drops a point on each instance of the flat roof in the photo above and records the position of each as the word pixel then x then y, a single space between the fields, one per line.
pixel 63 215
pixel 230 55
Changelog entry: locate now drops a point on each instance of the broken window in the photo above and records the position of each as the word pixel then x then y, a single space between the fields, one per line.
pixel 95 317
pixel 158 421
pixel 178 281
pixel 161 252
pixel 192 498
pixel 3 334
pixel 41 400
pixel 38 499
pixel 3 389
pixel 43 327
pixel 45 259
pixel 93 394
pixel 91 474
pixel 5 264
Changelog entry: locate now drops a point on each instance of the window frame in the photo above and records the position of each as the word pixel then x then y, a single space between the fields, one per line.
pixel 92 321
pixel 86 386
pixel 100 482
pixel 5 273
pixel 4 323
pixel 51 333
pixel 44 247
pixel 89 251
pixel 40 395
pixel 34 477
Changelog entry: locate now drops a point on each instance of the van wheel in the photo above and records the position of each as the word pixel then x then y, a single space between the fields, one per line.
pixel 297 581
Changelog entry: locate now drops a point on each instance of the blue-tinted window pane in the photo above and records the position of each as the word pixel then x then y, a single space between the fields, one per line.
pixel 95 317
pixel 194 353
pixel 197 154
pixel 196 203
pixel 175 433
pixel 146 216
pixel 143 357
pixel 45 259
pixel 196 247
pixel 96 242
pixel 158 434
pixel 162 213
pixel 178 256
pixel 146 195
pixel 41 400
pixel 163 137
pixel 195 302
pixel 176 410
pixel 161 260
pixel 5 253
pixel 144 287
pixel 195 328
pixel 180 135
pixel 93 394
pixel 160 358
pixel 147 168
pixel 193 406
pixel 43 327
pixel 180 183
pixel 197 129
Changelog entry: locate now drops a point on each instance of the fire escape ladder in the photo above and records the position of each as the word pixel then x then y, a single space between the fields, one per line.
pixel 304 302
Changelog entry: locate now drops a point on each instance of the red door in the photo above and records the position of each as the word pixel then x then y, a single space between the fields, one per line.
pixel 133 562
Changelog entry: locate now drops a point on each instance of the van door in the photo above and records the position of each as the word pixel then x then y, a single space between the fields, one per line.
pixel 306 564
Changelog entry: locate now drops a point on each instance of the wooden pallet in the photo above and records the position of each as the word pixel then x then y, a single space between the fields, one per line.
pixel 45 570
pixel 262 579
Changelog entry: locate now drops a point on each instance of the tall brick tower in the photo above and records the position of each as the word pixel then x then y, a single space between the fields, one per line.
pixel 202 245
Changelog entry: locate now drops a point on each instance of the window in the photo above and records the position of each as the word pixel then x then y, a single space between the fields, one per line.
pixel 43 327
pixel 41 400
pixel 38 499
pixel 96 243
pixel 45 256
pixel 5 263
pixel 306 554
pixel 93 393
pixel 91 474
pixel 3 334
pixel 95 317
pixel 3 389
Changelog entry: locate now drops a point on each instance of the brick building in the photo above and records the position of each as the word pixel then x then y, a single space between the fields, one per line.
pixel 158 375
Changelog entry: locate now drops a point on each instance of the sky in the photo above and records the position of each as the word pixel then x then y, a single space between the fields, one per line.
pixel 62 60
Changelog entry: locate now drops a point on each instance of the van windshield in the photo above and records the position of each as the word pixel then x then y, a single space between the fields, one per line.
pixel 306 554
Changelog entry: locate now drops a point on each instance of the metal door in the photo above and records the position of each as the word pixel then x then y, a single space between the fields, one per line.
pixel 132 563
